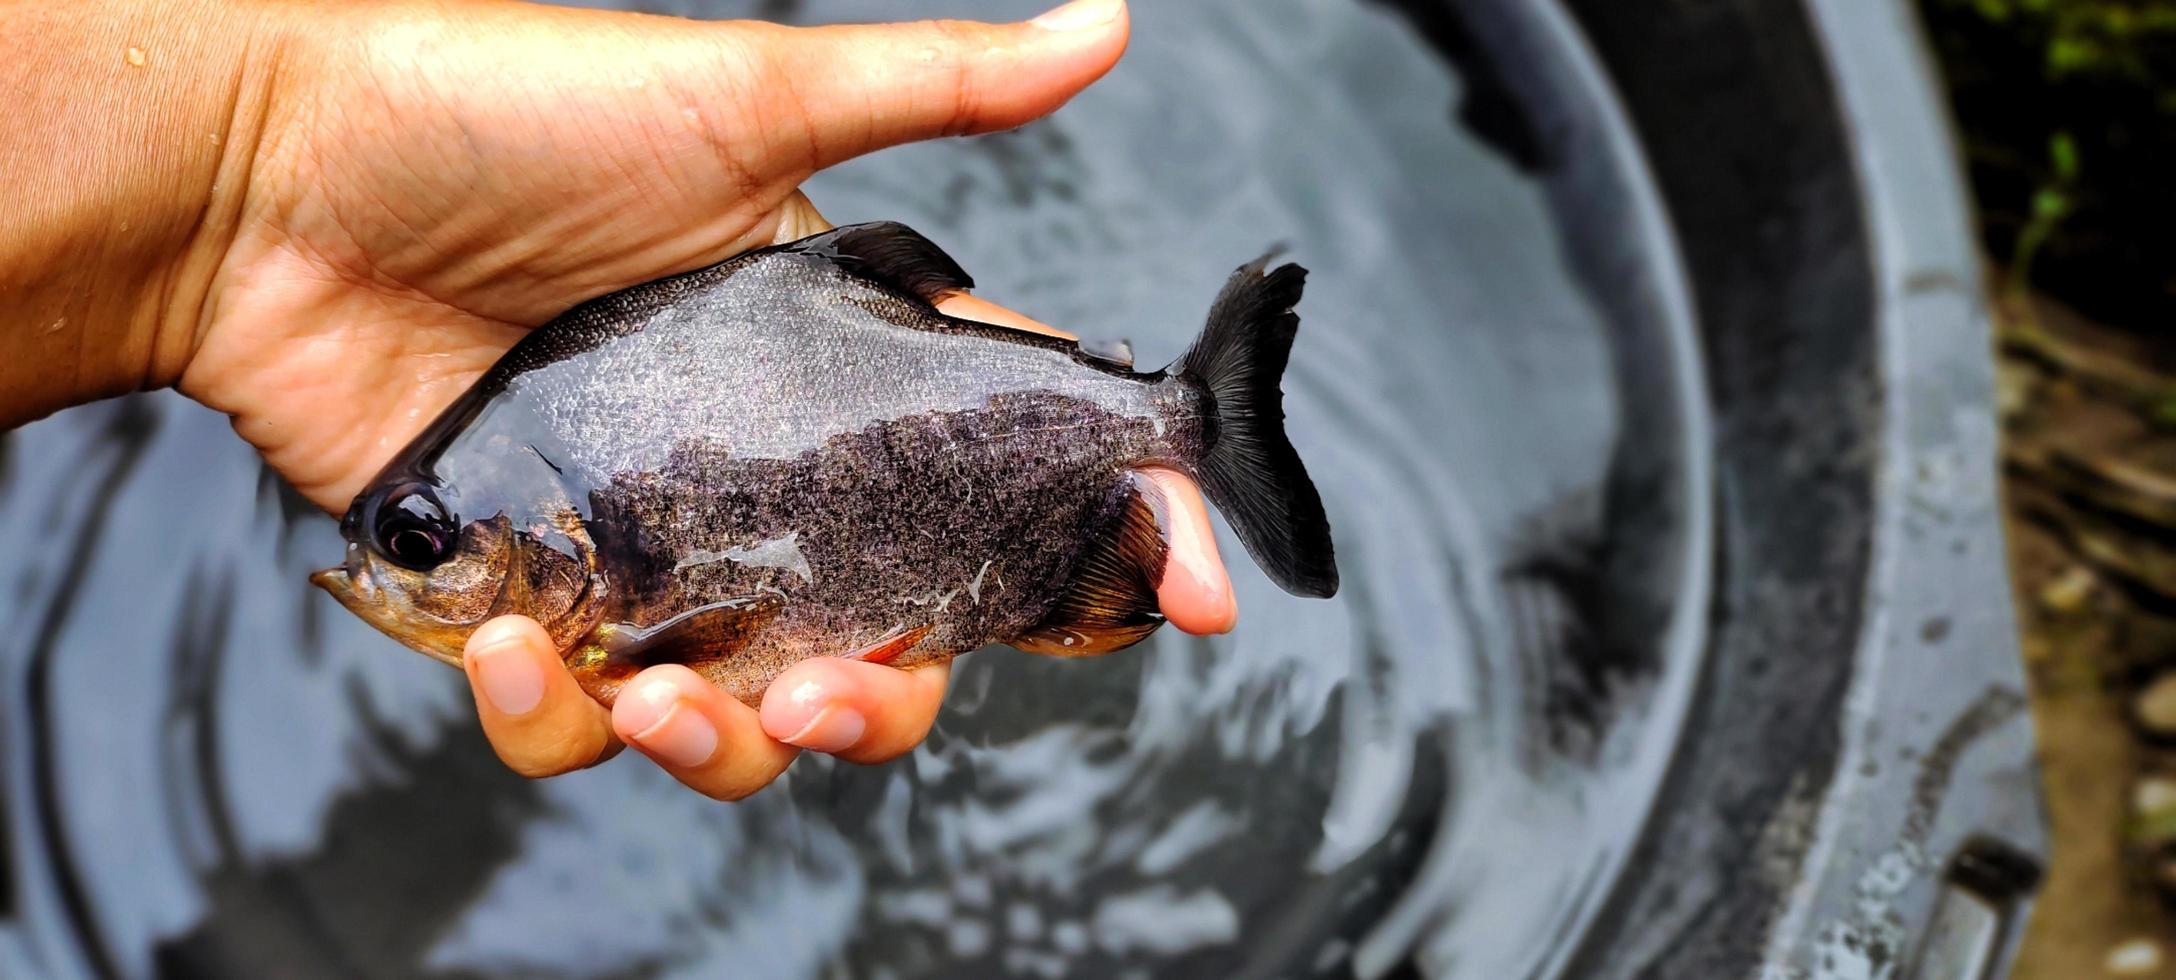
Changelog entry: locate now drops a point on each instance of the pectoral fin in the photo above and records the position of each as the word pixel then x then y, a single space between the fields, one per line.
pixel 1111 603
pixel 703 633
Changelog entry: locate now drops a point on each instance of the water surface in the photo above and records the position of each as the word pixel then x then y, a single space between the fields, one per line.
pixel 211 768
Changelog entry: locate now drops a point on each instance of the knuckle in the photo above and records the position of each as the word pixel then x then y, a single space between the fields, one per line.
pixel 755 50
pixel 966 109
pixel 949 58
pixel 950 40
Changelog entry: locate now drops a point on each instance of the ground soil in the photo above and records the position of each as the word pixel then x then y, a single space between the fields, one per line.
pixel 2099 626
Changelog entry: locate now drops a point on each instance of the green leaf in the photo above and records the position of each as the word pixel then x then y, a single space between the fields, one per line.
pixel 2067 55
pixel 2063 153
pixel 2147 828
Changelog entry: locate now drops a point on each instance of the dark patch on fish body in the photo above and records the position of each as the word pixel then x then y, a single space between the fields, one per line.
pixel 967 522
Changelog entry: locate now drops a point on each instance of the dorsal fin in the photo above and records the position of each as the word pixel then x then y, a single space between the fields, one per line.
pixel 893 254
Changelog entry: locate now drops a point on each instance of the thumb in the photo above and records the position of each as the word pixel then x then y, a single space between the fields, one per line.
pixel 865 87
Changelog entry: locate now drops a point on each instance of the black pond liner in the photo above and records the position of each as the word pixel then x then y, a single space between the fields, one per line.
pixel 1645 378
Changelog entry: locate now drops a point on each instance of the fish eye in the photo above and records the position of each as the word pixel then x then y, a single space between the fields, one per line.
pixel 413 530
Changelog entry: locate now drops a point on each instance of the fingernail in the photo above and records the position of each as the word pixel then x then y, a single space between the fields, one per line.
pixel 669 728
pixel 818 723
pixel 509 678
pixel 1080 15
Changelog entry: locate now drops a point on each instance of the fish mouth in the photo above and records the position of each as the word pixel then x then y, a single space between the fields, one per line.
pixel 348 583
pixel 333 580
pixel 355 589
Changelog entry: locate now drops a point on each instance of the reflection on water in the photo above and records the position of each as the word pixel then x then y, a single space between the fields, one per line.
pixel 210 768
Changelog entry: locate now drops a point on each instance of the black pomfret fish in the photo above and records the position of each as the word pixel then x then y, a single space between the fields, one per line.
pixel 794 454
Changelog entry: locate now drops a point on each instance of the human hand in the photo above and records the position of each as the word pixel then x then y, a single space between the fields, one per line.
pixel 433 180
pixel 418 186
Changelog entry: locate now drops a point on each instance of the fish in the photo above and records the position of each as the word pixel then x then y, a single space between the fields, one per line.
pixel 793 453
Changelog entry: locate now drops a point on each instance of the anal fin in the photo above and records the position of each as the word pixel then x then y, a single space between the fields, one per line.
pixel 1111 603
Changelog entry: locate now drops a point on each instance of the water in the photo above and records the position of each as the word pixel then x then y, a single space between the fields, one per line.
pixel 210 769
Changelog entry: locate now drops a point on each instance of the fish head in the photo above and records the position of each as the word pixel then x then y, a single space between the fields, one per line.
pixel 420 574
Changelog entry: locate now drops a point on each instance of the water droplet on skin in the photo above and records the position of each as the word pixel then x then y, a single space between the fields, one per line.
pixel 135 57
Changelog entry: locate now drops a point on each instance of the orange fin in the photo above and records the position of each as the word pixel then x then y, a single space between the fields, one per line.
pixel 887 650
pixel 1111 603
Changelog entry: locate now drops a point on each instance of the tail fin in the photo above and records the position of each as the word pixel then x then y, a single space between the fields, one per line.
pixel 1250 470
